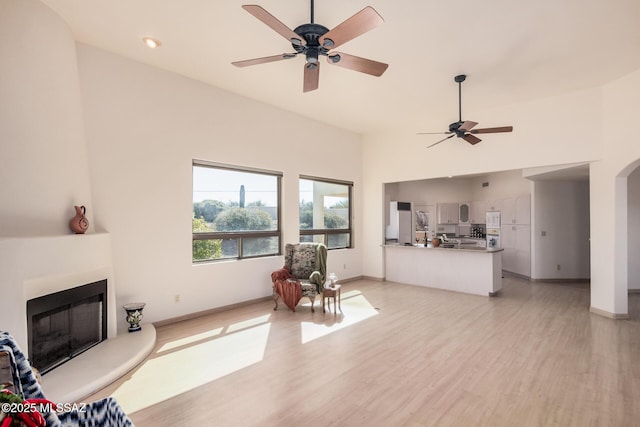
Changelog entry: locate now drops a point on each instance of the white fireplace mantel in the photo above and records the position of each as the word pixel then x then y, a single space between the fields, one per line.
pixel 31 267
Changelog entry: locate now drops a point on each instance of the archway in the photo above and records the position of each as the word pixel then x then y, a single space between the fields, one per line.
pixel 627 228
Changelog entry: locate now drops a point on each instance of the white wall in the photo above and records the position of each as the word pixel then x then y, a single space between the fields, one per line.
pixel 43 159
pixel 144 127
pixel 633 206
pixel 433 191
pixel 608 195
pixel 561 211
pixel 43 168
pixel 541 137
pixel 501 185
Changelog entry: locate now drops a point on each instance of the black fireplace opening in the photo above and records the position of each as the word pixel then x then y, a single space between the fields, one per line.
pixel 64 324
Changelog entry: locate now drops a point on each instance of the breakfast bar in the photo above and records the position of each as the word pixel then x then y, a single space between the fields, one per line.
pixel 473 271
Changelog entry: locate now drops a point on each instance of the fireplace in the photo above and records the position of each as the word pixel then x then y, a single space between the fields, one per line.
pixel 64 324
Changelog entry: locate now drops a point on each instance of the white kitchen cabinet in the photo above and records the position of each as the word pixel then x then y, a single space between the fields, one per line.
pixel 523 209
pixel 515 239
pixel 448 213
pixel 494 205
pixel 478 212
pixel 473 215
pixel 515 235
pixel 523 250
pixel 508 243
pixel 516 210
pixel 508 211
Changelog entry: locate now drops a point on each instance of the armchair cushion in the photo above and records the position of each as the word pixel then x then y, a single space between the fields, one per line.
pixel 307 262
pixel 303 261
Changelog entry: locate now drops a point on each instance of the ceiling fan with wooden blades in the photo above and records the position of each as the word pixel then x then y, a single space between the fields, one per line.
pixel 465 129
pixel 314 40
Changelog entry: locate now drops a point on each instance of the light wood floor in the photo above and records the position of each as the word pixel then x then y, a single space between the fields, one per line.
pixel 398 356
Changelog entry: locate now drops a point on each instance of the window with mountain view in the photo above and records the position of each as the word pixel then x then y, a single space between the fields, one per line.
pixel 236 212
pixel 325 212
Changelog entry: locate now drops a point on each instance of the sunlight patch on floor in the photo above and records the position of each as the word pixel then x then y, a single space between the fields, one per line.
pixel 355 308
pixel 190 339
pixel 249 323
pixel 175 372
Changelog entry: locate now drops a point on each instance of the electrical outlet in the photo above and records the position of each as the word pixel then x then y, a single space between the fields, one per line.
pixel 558 267
pixel 344 266
pixel 177 298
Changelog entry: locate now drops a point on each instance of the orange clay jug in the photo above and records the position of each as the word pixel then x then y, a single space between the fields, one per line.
pixel 79 223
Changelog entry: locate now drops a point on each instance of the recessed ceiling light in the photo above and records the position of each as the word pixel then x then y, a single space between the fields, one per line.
pixel 151 42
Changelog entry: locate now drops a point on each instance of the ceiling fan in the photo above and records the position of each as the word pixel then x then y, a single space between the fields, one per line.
pixel 464 129
pixel 314 40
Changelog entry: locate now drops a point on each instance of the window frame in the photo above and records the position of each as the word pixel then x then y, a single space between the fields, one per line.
pixel 326 232
pixel 240 235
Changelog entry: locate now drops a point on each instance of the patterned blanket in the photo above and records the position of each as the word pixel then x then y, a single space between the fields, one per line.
pixel 102 413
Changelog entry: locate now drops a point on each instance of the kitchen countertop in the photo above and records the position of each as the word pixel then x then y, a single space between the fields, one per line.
pixel 455 248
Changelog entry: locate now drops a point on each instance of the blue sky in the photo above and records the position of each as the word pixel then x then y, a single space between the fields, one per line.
pixel 224 185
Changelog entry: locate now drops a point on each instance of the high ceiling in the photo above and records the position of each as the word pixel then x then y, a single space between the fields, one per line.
pixel 511 52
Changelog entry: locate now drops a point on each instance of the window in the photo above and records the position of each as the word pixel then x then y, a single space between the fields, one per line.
pixel 325 212
pixel 236 212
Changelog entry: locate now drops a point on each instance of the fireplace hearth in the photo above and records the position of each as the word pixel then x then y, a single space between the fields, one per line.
pixel 64 324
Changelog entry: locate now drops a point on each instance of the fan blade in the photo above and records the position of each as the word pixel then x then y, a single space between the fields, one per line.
pixel 311 77
pixel 467 125
pixel 434 133
pixel 356 63
pixel 473 140
pixel 493 130
pixel 273 22
pixel 264 60
pixel 363 21
pixel 442 140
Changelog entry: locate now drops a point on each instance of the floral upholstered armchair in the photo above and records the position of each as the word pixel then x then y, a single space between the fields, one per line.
pixel 303 274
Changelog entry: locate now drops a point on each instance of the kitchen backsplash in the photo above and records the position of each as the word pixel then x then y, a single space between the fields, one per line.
pixel 473 230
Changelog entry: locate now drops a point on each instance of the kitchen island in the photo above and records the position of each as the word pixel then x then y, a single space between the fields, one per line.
pixel 475 271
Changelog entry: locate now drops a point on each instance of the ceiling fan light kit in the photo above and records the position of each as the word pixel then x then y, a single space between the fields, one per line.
pixel 464 129
pixel 314 40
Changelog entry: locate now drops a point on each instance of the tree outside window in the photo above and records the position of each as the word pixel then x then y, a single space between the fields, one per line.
pixel 325 212
pixel 235 212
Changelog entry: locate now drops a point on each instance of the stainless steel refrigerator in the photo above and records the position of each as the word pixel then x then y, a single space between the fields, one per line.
pixel 400 228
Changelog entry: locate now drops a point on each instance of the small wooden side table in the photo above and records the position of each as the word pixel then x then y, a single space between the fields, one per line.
pixel 332 292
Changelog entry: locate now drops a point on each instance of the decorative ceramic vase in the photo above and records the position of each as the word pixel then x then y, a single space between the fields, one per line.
pixel 435 242
pixel 134 315
pixel 79 223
